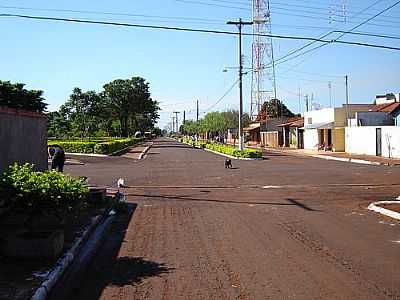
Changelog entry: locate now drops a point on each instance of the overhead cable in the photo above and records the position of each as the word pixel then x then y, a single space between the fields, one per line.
pixel 197 30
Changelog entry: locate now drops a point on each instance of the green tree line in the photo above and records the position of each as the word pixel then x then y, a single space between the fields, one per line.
pixel 14 95
pixel 123 107
pixel 215 123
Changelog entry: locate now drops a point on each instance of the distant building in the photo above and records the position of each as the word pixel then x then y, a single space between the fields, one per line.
pixel 293 134
pixel 388 98
pixel 325 128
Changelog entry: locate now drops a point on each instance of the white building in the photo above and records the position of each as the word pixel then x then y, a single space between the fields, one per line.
pixel 325 128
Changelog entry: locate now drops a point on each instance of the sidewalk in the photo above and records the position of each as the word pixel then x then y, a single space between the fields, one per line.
pixel 138 151
pixel 339 156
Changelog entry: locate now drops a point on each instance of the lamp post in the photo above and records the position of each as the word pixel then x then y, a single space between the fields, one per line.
pixel 240 24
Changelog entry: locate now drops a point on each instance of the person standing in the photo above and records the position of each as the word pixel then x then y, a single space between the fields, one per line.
pixel 57 155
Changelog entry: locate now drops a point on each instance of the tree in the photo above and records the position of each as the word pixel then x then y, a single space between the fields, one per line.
pixel 129 101
pixel 232 119
pixel 57 124
pixel 273 108
pixel 83 110
pixel 191 127
pixel 15 96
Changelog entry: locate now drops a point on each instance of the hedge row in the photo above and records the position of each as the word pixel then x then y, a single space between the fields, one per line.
pixel 112 146
pixel 226 149
pixel 93 147
pixel 74 147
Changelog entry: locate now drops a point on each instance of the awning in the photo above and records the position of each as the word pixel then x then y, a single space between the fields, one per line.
pixel 328 125
pixel 252 127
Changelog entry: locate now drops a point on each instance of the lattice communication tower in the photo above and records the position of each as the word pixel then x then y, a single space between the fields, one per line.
pixel 263 67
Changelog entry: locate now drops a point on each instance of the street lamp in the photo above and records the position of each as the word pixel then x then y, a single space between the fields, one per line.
pixel 240 24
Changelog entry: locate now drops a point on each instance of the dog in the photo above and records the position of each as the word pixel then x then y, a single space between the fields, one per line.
pixel 228 163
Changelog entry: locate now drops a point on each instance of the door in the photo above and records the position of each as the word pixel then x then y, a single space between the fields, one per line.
pixel 378 141
pixel 329 137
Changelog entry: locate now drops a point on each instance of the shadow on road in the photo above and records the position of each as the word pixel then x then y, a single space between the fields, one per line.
pixel 181 146
pixel 292 202
pixel 133 270
pixel 107 269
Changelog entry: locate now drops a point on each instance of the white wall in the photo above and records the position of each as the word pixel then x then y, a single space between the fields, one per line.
pixel 325 115
pixel 310 138
pixel 362 140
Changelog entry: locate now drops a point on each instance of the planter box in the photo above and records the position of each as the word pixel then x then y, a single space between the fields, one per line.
pixel 97 194
pixel 39 244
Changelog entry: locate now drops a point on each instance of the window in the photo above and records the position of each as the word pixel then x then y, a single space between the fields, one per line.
pixel 309 120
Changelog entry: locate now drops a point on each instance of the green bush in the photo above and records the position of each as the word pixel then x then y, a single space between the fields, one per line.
pixel 115 145
pixel 75 146
pixel 98 146
pixel 37 193
pixel 226 149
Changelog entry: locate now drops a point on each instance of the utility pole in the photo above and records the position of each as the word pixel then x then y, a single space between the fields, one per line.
pixel 306 100
pixel 184 117
pixel 176 120
pixel 330 93
pixel 299 101
pixel 312 101
pixel 173 124
pixel 197 111
pixel 240 24
pixel 347 100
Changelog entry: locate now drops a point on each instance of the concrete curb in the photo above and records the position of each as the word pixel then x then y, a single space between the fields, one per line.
pixel 64 262
pixel 330 157
pixel 100 222
pixel 144 152
pixel 374 206
pixel 86 154
pixel 351 160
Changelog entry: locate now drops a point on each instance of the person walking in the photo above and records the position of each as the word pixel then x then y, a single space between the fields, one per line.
pixel 57 155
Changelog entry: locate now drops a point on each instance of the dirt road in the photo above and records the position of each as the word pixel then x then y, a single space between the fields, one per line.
pixel 283 228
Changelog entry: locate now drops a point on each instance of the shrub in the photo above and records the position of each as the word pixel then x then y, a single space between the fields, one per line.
pixel 226 149
pixel 115 145
pixel 75 146
pixel 99 146
pixel 38 193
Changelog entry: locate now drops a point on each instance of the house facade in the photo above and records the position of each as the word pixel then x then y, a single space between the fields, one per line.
pixel 271 134
pixel 293 134
pixel 376 132
pixel 252 134
pixel 325 128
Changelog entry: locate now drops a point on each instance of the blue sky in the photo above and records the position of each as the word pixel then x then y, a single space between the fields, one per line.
pixel 181 66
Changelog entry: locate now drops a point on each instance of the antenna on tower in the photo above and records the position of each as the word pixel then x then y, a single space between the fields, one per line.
pixel 262 58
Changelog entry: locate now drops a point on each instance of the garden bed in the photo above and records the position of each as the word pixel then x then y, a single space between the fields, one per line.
pixel 43 215
pixel 225 149
pixel 393 207
pixel 95 146
pixel 20 278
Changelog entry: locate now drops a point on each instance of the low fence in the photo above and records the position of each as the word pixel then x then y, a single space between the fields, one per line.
pixel 23 138
pixel 366 140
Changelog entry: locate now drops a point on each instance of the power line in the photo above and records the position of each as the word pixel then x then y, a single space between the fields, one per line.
pixel 212 4
pixel 198 20
pixel 223 96
pixel 335 40
pixel 95 12
pixel 310 43
pixel 332 12
pixel 370 34
pixel 196 30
